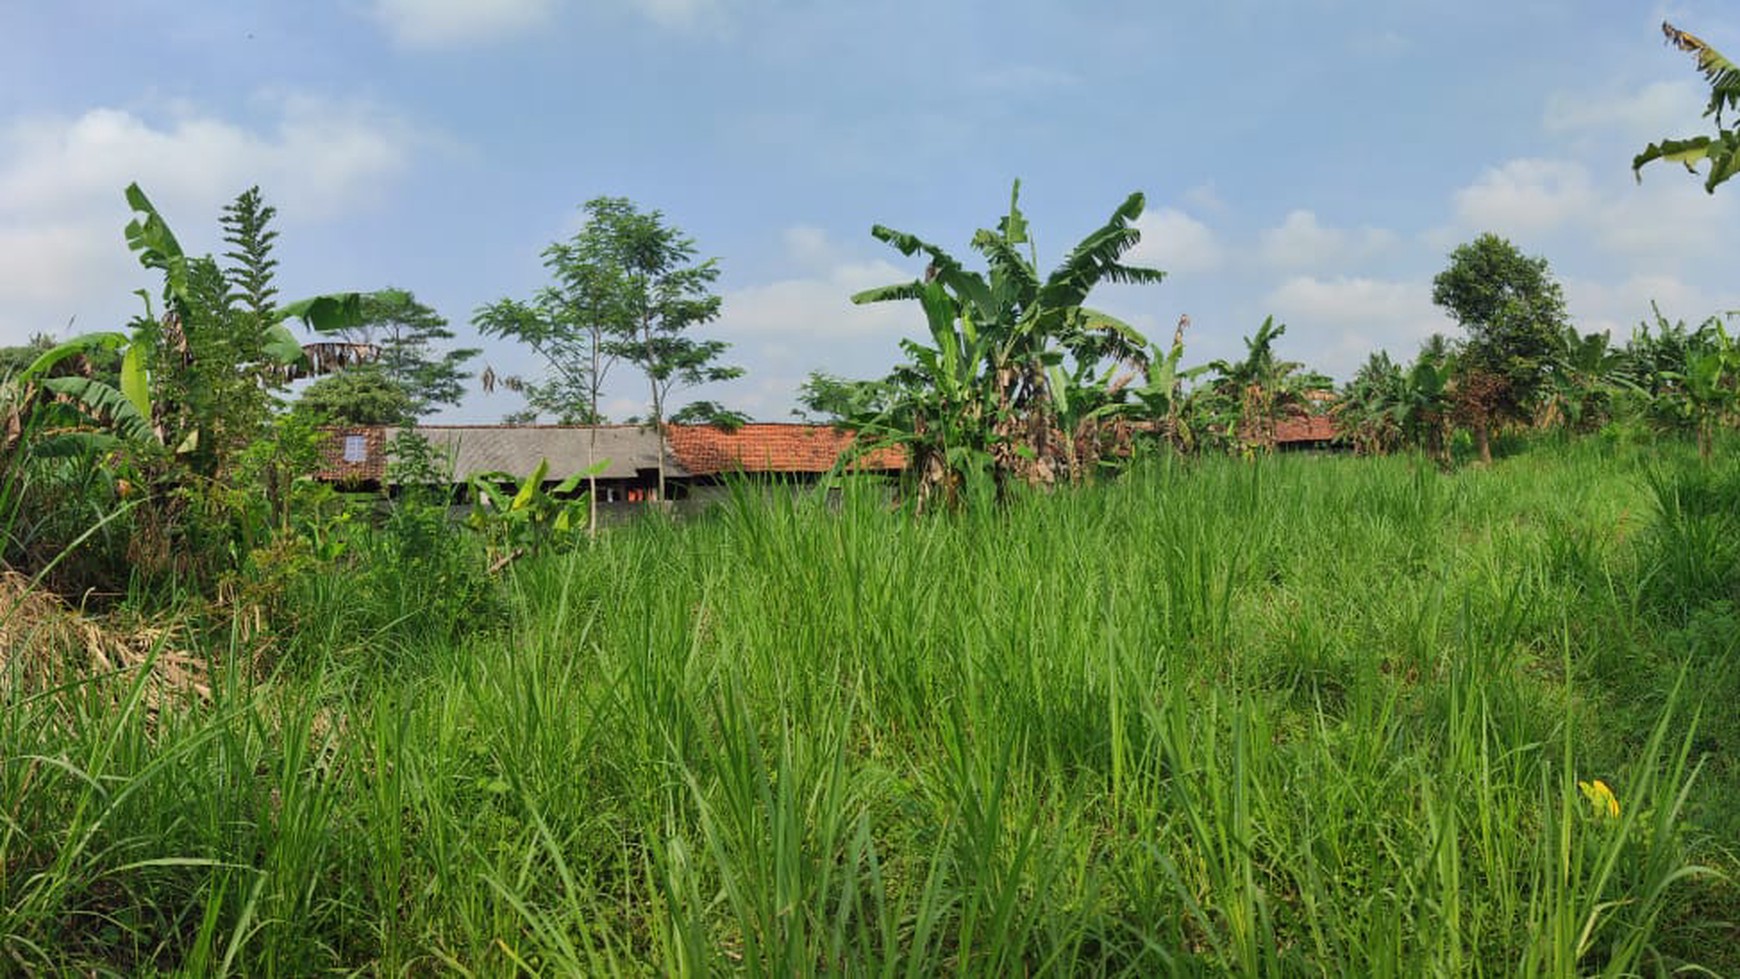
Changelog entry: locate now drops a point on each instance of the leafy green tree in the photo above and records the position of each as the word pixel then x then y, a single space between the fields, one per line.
pixel 1514 313
pixel 666 295
pixel 987 399
pixel 362 395
pixel 828 399
pixel 1722 150
pixel 396 342
pixel 627 289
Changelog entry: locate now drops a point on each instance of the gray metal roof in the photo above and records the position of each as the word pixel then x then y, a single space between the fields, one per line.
pixel 629 449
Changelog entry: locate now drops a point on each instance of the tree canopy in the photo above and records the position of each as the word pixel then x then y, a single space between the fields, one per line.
pixel 1514 313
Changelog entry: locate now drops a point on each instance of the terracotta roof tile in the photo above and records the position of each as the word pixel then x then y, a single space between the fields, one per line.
pixel 1304 428
pixel 770 448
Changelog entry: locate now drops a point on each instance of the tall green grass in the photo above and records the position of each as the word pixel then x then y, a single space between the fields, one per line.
pixel 1299 716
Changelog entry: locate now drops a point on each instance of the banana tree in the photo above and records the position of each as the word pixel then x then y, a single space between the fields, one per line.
pixel 1259 387
pixel 987 395
pixel 1705 394
pixel 96 413
pixel 532 518
pixel 1722 150
pixel 1588 371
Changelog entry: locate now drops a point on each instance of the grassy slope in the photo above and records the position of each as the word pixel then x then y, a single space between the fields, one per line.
pixel 1304 715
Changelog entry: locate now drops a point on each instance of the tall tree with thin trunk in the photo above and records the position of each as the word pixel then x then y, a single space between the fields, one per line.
pixel 666 293
pixel 626 288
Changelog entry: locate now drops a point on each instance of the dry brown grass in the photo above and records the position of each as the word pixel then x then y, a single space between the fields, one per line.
pixel 44 643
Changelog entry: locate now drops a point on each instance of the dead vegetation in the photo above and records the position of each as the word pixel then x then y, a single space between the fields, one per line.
pixel 45 643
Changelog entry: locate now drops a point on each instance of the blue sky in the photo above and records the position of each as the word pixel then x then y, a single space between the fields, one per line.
pixel 1315 160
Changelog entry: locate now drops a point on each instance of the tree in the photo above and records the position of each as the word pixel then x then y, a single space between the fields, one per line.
pixel 626 289
pixel 361 395
pixel 989 397
pixel 1514 313
pixel 400 336
pixel 666 294
pixel 1722 150
pixel 828 399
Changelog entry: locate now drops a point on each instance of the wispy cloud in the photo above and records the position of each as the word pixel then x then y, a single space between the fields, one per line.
pixel 457 23
pixel 1176 242
pixel 61 179
pixel 1302 241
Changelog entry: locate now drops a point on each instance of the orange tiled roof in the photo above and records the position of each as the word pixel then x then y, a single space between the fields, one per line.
pixel 1304 428
pixel 770 447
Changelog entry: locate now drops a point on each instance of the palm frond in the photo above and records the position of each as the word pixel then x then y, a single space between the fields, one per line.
pixel 1722 74
pixel 890 293
pixel 1096 259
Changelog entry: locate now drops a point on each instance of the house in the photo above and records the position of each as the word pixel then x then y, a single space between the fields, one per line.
pixel 628 455
pixel 1313 431
pixel 697 458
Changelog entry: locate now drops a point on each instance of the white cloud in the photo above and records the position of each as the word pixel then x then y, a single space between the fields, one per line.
pixel 1642 116
pixel 448 23
pixel 1176 242
pixel 820 307
pixel 1669 219
pixel 1667 222
pixel 61 178
pixel 1527 196
pixel 1301 241
pixel 1618 307
pixel 1333 323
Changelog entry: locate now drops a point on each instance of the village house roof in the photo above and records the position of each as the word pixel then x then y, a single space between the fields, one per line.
pixel 767 447
pixel 626 450
pixel 360 454
pixel 1304 428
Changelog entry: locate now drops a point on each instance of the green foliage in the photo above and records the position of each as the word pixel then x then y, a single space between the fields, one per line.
pixel 404 375
pixel 1012 384
pixel 829 399
pixel 626 288
pixel 1337 724
pixel 528 519
pixel 1722 150
pixel 1514 312
pixel 191 395
pixel 363 395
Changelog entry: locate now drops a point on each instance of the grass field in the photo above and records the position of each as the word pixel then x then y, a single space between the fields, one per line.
pixel 1304 715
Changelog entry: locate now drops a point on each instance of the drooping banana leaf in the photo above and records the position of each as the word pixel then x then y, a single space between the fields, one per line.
pixel 281 347
pixel 135 377
pixel 1721 150
pixel 105 405
pixel 72 445
pixel 329 313
pixel 529 489
pixel 71 348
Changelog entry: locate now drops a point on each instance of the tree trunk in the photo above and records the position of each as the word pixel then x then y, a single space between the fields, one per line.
pixel 592 480
pixel 1483 439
